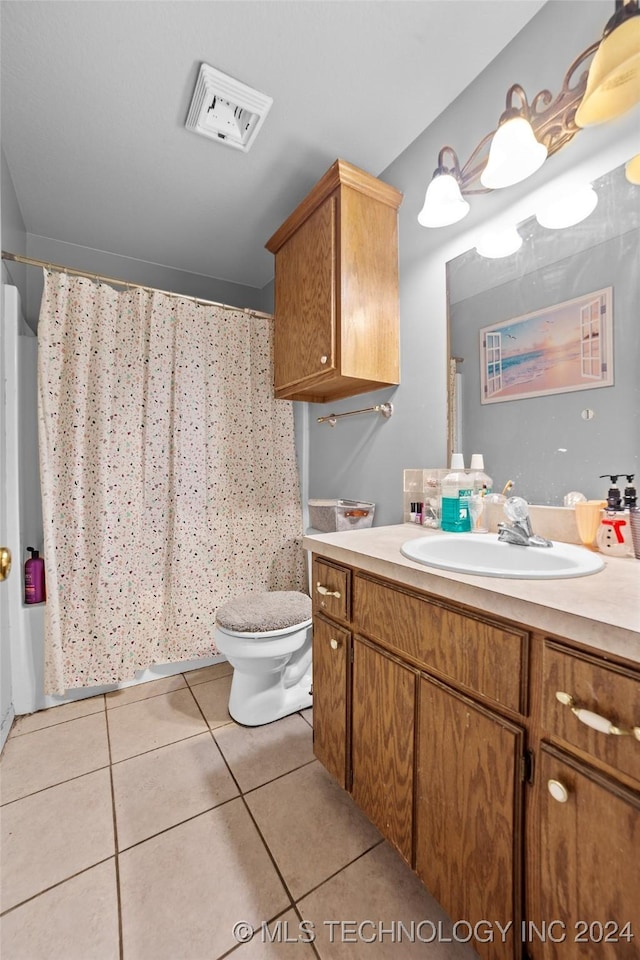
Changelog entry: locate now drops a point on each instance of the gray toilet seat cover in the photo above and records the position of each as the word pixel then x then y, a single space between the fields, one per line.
pixel 260 612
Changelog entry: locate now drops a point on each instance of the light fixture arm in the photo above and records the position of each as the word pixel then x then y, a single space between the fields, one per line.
pixel 442 168
pixel 552 120
pixel 624 10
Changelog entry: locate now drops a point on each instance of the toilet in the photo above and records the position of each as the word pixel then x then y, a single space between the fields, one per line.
pixel 266 637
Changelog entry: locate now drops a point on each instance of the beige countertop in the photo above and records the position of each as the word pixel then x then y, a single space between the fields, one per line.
pixel 601 610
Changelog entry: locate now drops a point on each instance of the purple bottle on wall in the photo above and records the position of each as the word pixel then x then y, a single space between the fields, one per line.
pixel 34 586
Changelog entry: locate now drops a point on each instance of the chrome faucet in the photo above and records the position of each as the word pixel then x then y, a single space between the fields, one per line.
pixel 519 531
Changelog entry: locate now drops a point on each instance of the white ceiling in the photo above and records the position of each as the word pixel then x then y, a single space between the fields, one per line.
pixel 95 97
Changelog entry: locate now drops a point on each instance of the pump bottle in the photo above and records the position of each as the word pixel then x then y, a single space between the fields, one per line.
pixel 34 584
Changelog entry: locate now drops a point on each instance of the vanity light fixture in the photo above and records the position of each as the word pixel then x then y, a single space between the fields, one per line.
pixel 613 86
pixel 515 153
pixel 547 124
pixel 566 208
pixel 632 170
pixel 499 243
pixel 443 202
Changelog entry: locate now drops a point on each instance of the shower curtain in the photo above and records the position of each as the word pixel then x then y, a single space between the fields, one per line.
pixel 168 473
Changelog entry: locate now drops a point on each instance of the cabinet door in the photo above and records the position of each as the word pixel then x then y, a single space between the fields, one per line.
pixel 468 814
pixel 589 865
pixel 305 300
pixel 382 743
pixel 331 649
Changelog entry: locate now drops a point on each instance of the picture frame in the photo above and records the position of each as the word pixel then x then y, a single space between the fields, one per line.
pixel 557 349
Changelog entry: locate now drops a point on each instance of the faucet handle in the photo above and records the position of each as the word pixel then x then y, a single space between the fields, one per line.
pixel 516 509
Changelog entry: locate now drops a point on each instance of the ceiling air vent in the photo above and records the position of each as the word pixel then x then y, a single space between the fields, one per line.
pixel 226 110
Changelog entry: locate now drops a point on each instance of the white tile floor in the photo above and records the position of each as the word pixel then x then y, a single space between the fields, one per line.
pixel 145 824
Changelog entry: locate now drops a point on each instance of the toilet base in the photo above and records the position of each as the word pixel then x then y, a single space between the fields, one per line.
pixel 255 700
pixel 271 672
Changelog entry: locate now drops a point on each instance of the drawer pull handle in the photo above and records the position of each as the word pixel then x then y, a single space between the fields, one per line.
pixel 334 644
pixel 558 791
pixel 326 592
pixel 594 720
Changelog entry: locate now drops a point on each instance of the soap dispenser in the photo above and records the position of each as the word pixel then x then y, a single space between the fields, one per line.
pixel 630 495
pixel 614 534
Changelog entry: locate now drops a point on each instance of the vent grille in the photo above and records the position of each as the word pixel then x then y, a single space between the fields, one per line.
pixel 226 110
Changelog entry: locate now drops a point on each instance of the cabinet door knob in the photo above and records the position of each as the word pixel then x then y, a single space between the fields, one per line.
pixel 326 592
pixel 558 791
pixel 594 720
pixel 324 358
pixel 334 644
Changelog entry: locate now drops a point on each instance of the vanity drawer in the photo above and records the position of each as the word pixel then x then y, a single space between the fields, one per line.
pixel 331 589
pixel 482 655
pixel 608 691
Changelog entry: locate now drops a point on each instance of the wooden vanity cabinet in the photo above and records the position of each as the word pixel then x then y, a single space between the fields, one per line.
pixel 382 746
pixel 331 662
pixel 468 812
pixel 336 289
pixel 588 868
pixel 332 652
pixel 585 835
pixel 507 805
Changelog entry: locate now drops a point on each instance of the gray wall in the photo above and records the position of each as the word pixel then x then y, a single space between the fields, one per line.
pixel 363 457
pixel 12 230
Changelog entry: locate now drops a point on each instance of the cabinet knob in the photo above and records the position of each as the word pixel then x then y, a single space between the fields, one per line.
pixel 324 358
pixel 558 791
pixel 334 644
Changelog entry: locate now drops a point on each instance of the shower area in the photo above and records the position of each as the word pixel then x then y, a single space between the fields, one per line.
pixel 214 508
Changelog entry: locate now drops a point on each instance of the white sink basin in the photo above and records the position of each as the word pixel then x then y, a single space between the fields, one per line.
pixel 486 556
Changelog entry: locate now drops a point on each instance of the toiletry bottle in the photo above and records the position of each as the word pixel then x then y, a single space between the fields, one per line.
pixel 34 585
pixel 614 500
pixel 457 487
pixel 630 495
pixel 482 483
pixel 614 533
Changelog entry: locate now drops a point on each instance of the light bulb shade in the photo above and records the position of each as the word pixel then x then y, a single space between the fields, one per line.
pixel 443 202
pixel 568 208
pixel 632 170
pixel 613 85
pixel 514 155
pixel 499 243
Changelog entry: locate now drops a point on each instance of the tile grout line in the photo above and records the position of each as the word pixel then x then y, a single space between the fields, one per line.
pixel 57 723
pixel 292 903
pixel 115 837
pixel 53 886
pixel 215 806
pixel 50 786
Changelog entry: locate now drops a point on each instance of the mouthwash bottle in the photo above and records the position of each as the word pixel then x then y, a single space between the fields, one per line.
pixel 456 489
pixel 482 483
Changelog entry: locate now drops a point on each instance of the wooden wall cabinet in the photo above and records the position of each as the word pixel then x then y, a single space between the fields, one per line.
pixel 446 727
pixel 336 289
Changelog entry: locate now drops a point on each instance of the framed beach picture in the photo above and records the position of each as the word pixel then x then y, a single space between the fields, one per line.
pixel 568 346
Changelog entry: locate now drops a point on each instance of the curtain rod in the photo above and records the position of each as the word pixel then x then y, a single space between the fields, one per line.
pixel 31 262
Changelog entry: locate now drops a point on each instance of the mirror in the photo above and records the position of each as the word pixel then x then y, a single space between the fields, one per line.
pixel 552 401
